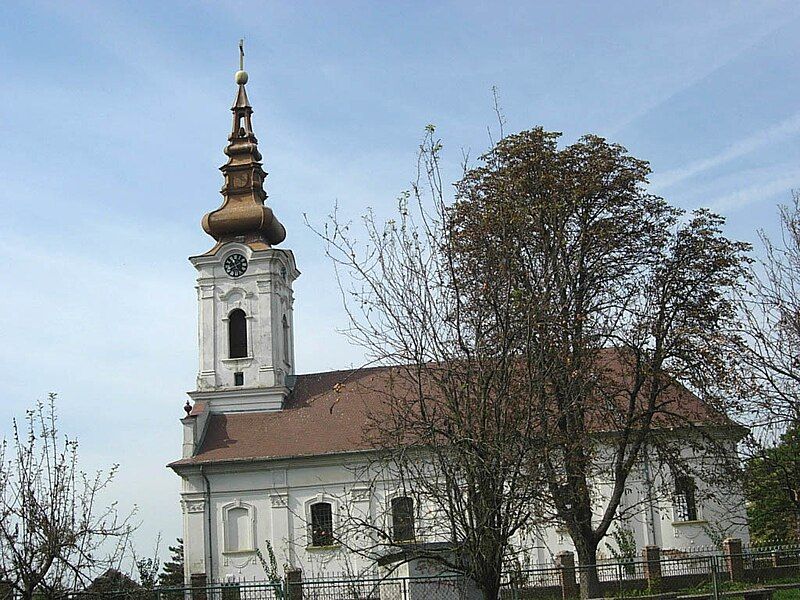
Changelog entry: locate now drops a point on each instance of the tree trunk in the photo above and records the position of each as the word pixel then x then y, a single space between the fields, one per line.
pixel 587 568
pixel 491 590
pixel 489 577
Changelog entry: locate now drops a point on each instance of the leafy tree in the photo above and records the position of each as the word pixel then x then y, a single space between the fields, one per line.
pixel 55 532
pixel 623 296
pixel 539 324
pixel 172 573
pixel 773 490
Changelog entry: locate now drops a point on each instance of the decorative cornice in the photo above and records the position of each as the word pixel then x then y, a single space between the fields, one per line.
pixel 279 500
pixel 194 506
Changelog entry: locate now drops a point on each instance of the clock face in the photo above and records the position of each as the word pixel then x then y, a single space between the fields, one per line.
pixel 235 265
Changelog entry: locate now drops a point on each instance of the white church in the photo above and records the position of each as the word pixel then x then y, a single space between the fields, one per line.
pixel 270 455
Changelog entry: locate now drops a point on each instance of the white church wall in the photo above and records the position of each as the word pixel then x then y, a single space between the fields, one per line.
pixel 280 495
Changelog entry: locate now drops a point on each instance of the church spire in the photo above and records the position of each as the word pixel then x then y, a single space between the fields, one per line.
pixel 243 216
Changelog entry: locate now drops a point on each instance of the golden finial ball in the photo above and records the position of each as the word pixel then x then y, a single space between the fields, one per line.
pixel 241 77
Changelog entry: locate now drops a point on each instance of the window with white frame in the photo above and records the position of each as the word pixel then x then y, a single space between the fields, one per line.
pixel 322 524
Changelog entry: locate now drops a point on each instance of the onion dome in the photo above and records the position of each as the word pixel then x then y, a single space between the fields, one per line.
pixel 243 215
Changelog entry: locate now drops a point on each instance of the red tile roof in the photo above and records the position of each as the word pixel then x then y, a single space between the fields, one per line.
pixel 329 413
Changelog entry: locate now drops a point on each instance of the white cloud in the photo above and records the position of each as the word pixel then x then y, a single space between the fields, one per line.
pixel 755 193
pixel 778 132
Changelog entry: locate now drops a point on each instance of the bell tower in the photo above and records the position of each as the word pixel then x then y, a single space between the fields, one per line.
pixel 244 284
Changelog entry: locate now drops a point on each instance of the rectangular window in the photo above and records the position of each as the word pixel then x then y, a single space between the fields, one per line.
pixel 238 379
pixel 684 504
pixel 402 519
pixel 321 524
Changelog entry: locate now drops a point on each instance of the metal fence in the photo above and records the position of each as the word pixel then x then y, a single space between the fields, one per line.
pixel 392 588
pixel 708 571
pixel 230 590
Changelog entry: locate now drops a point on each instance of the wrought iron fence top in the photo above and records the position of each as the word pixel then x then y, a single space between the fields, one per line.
pixel 770 547
pixel 378 580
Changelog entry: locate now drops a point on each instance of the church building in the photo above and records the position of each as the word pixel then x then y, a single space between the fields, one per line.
pixel 269 455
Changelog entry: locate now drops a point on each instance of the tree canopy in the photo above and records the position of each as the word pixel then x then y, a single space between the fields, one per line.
pixel 551 300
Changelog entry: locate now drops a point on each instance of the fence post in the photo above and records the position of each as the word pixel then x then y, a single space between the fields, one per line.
pixel 714 582
pixel 777 559
pixel 651 556
pixel 565 562
pixel 199 583
pixel 294 584
pixel 734 562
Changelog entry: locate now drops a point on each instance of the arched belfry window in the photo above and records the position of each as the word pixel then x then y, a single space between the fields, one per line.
pixel 237 333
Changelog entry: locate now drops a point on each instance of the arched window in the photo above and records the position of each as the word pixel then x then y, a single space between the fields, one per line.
pixel 321 524
pixel 238 529
pixel 286 341
pixel 237 333
pixel 402 519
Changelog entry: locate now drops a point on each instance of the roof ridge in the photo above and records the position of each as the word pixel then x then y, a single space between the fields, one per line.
pixel 353 370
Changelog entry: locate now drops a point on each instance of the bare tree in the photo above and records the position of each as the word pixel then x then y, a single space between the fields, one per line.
pixel 56 534
pixel 769 384
pixel 456 431
pixel 770 356
pixel 540 325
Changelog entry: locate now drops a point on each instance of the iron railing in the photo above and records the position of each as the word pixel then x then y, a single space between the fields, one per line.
pixel 699 572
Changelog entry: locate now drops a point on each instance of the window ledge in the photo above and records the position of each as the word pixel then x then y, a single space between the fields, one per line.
pixel 235 552
pixel 243 361
pixel 323 548
pixel 695 522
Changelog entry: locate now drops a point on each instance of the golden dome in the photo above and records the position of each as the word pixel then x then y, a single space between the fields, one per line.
pixel 243 215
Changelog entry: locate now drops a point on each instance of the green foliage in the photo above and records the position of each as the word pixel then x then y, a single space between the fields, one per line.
pixel 772 481
pixel 270 566
pixel 172 573
pixel 112 580
pixel 624 550
pixel 625 544
pixel 148 572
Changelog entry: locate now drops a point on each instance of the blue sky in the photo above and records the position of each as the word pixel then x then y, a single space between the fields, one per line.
pixel 113 117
